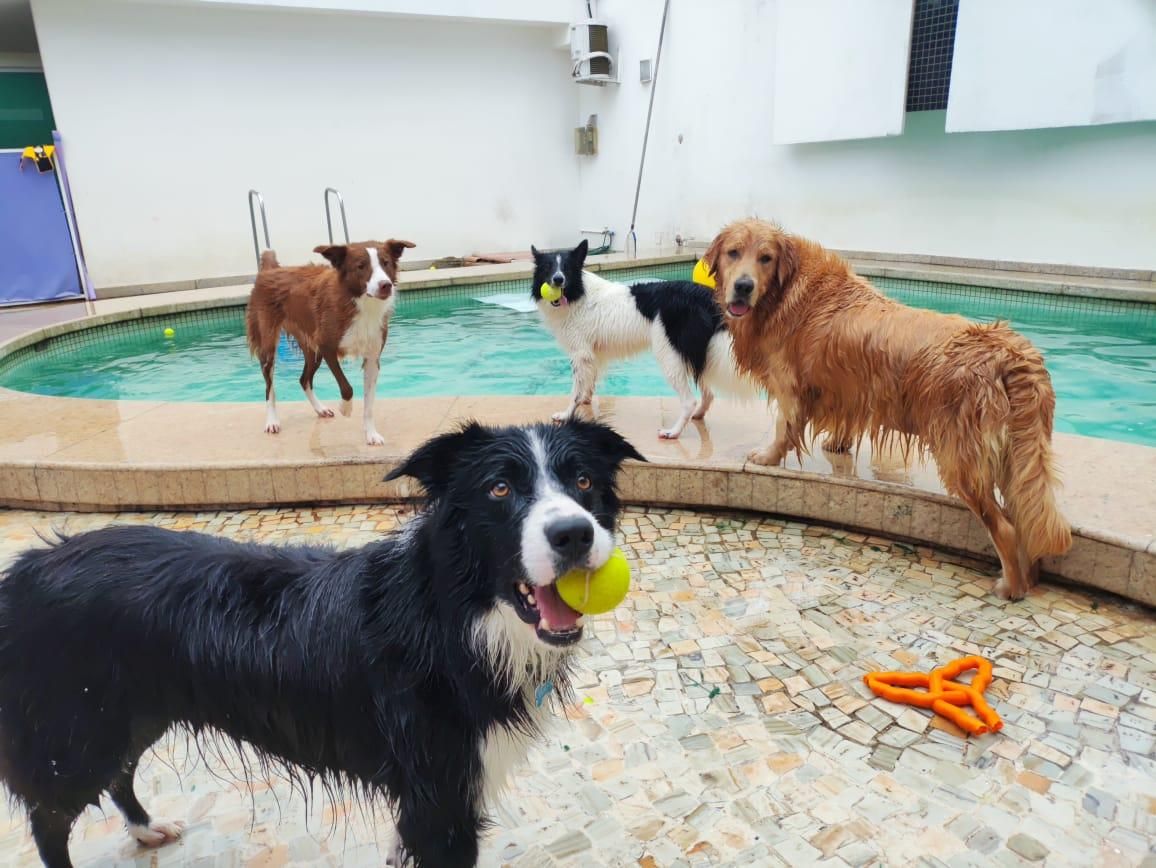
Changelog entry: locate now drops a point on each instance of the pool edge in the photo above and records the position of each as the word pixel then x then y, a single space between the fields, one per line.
pixel 1101 557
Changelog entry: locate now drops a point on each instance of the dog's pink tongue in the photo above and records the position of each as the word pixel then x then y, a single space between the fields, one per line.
pixel 557 615
pixel 739 308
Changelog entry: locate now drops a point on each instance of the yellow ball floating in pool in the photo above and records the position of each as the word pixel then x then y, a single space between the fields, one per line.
pixel 593 592
pixel 549 293
pixel 702 275
pixel 169 332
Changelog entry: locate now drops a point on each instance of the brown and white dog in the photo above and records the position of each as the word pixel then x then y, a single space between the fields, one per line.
pixel 849 362
pixel 332 313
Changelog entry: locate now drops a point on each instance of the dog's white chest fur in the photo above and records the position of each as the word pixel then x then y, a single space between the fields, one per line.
pixel 503 751
pixel 522 662
pixel 363 336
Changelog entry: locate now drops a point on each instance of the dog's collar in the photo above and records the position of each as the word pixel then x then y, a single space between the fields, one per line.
pixel 542 692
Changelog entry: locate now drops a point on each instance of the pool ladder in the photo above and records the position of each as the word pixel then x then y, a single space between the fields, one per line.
pixel 254 196
pixel 257 206
pixel 329 193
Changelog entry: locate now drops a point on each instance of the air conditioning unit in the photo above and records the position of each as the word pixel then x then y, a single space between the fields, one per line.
pixel 590 53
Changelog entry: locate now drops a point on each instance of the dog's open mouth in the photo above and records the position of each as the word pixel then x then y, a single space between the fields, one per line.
pixel 555 622
pixel 738 308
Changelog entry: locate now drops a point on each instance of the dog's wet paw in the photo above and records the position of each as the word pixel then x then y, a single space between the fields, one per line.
pixel 668 434
pixel 764 457
pixel 272 427
pixel 561 417
pixel 157 833
pixel 372 438
pixel 346 408
pixel 325 413
pixel 1005 591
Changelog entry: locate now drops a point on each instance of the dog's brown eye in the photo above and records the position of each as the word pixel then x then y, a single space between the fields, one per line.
pixel 585 483
pixel 765 258
pixel 500 490
pixel 733 254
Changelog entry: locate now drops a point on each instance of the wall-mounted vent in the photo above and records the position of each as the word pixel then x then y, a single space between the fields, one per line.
pixel 590 53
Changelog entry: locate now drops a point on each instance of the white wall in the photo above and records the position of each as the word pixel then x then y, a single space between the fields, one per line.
pixel 459 136
pixel 1095 63
pixel 540 11
pixel 859 89
pixel 1077 196
pixel 455 135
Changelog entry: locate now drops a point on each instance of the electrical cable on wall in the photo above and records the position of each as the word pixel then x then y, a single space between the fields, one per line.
pixel 632 237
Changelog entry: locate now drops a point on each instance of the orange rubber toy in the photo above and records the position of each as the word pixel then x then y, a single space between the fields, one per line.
pixel 941 694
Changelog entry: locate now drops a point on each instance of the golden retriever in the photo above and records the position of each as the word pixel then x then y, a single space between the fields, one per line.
pixel 839 356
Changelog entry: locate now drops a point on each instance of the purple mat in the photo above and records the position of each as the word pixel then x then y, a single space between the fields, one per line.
pixel 37 262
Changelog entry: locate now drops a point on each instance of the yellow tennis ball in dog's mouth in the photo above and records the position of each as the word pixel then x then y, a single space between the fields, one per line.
pixel 549 293
pixel 593 592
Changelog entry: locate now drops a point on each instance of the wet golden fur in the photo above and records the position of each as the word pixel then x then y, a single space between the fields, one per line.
pixel 845 360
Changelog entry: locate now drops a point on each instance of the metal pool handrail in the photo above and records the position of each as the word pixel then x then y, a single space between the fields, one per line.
pixel 329 216
pixel 253 223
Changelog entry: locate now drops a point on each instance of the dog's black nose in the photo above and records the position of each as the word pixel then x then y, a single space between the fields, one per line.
pixel 559 280
pixel 570 537
pixel 744 285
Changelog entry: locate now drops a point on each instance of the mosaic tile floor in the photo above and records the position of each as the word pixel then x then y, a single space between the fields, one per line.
pixel 722 719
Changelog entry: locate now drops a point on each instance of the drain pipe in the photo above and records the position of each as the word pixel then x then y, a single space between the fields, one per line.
pixel 632 237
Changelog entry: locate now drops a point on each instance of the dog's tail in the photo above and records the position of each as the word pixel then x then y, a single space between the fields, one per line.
pixel 256 315
pixel 252 329
pixel 1029 476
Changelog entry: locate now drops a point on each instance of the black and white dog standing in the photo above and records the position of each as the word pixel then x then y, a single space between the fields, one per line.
pixel 598 321
pixel 417 670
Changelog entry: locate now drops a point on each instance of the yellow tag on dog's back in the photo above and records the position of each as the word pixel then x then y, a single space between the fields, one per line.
pixel 701 275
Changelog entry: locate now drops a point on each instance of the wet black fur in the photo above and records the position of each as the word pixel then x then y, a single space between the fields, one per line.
pixel 690 316
pixel 352 667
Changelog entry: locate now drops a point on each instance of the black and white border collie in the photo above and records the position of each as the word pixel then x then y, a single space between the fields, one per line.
pixel 598 321
pixel 416 670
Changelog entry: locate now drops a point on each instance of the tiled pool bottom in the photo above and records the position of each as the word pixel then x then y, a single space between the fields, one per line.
pixel 791 763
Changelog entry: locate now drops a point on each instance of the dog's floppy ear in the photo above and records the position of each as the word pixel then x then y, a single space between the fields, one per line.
pixel 579 252
pixel 608 442
pixel 397 248
pixel 335 253
pixel 432 463
pixel 787 261
pixel 714 254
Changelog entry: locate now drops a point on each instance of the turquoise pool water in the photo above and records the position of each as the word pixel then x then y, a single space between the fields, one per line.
pixel 1101 354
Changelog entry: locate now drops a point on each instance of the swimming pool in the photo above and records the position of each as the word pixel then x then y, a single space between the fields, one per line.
pixel 472 340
